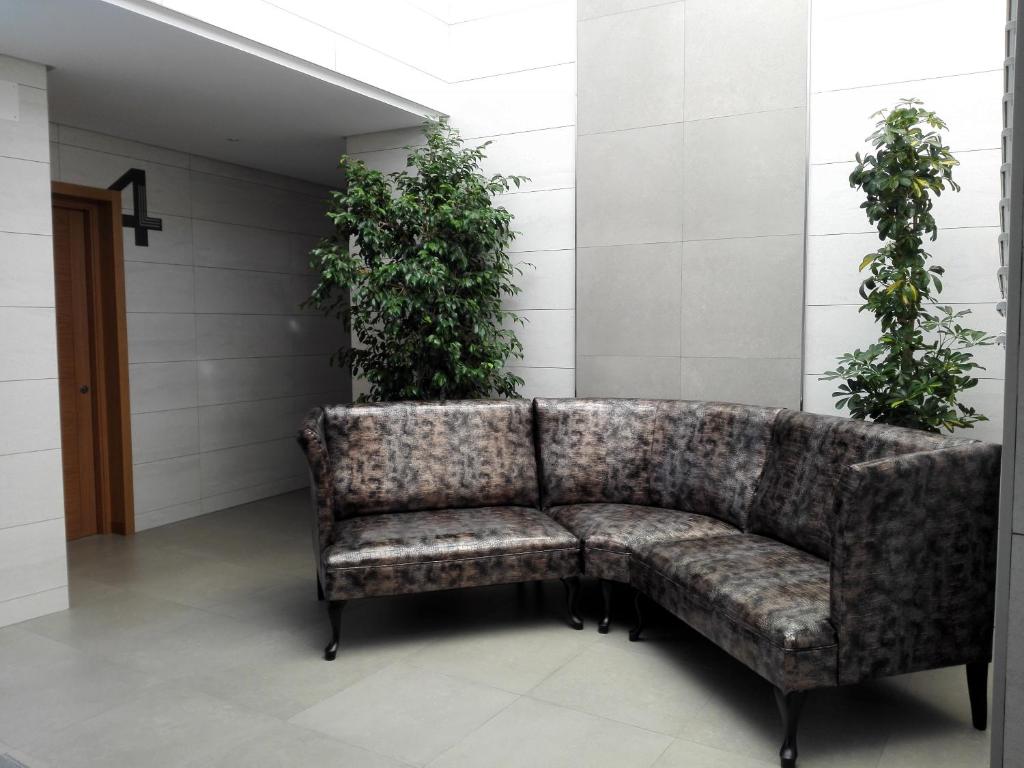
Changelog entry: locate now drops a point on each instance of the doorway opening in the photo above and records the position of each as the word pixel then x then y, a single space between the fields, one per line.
pixel 92 361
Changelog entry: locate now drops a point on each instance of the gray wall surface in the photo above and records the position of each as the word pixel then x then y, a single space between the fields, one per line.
pixel 691 172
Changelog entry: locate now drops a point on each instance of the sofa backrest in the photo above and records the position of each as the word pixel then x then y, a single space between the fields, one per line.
pixel 708 457
pixel 692 456
pixel 391 457
pixel 795 499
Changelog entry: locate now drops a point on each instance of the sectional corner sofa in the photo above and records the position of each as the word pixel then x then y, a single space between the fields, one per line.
pixel 819 551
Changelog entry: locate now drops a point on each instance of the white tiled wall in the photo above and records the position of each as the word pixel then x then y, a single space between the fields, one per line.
pixel 523 98
pixel 690 198
pixel 33 570
pixel 222 361
pixel 852 76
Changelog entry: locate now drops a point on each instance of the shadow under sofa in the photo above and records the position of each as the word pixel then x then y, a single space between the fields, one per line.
pixel 817 550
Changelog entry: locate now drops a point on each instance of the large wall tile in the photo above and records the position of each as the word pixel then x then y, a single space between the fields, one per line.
pixel 547 338
pixel 221 336
pixel 235 424
pixel 115 145
pixel 28 343
pixel 629 300
pixel 631 69
pixel 167 515
pixel 158 287
pixel 233 469
pixel 164 435
pixel 1014 736
pixel 162 386
pixel 25 196
pixel 754 381
pixel 744 56
pixel 546 156
pixel 26 263
pixel 171 245
pixel 161 338
pixel 236 291
pixel 590 9
pixel 480 47
pixel 969 256
pixel 630 187
pixel 521 101
pixel 30 488
pixel 745 175
pixel 31 606
pixel 258 378
pixel 742 298
pixel 253 492
pixel 166 185
pixel 545 382
pixel 235 247
pixel 609 376
pixel 547 281
pixel 33 558
pixel 831 331
pixel 840 58
pixel 166 483
pixel 233 201
pixel 30 416
pixel 970 104
pixel 544 220
pixel 23 72
pixel 28 136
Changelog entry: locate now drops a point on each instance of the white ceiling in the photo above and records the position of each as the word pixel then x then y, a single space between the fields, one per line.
pixel 145 78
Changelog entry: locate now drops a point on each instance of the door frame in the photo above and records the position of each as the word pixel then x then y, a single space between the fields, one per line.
pixel 113 428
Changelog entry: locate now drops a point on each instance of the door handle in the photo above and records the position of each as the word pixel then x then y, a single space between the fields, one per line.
pixel 84 389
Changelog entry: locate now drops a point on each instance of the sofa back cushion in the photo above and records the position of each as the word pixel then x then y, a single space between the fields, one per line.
pixel 795 500
pixel 391 457
pixel 707 458
pixel 595 451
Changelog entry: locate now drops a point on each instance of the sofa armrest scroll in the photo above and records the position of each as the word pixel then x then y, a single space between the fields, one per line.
pixel 314 445
pixel 913 561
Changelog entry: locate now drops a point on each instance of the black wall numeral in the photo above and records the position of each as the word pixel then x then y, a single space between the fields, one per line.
pixel 139 219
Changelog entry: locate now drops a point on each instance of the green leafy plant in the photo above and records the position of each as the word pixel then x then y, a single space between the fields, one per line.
pixel 913 375
pixel 417 268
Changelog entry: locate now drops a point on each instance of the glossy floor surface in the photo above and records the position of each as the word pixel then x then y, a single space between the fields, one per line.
pixel 199 644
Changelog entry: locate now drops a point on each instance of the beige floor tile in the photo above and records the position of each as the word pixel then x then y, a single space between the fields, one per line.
pixel 535 734
pixel 689 754
pixel 405 712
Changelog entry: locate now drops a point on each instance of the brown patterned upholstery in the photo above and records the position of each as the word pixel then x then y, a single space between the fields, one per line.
pixel 765 602
pixel 595 450
pixel 610 532
pixel 795 499
pixel 913 561
pixel 706 458
pixel 407 456
pixel 403 552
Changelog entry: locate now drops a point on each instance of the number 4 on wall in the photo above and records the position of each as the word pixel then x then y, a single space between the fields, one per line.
pixel 139 219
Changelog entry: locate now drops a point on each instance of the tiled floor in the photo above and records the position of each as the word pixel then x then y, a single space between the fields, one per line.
pixel 198 644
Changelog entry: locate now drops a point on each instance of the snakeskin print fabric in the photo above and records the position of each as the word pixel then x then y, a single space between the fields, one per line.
pixel 764 602
pixel 707 457
pixel 913 561
pixel 595 450
pixel 403 552
pixel 610 532
pixel 795 499
pixel 313 443
pixel 387 457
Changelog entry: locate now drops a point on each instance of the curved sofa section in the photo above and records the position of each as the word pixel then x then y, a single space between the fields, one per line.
pixel 817 550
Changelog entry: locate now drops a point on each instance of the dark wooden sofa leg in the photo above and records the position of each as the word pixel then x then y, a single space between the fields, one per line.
pixel 319 589
pixel 572 588
pixel 790 705
pixel 638 627
pixel 977 690
pixel 606 598
pixel 334 614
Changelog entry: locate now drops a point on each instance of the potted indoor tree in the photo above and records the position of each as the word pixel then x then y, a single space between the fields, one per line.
pixel 914 374
pixel 417 269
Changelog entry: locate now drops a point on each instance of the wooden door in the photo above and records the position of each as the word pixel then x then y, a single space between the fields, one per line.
pixel 92 361
pixel 74 243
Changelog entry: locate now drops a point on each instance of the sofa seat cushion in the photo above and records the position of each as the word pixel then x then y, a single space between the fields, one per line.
pixel 610 532
pixel 765 602
pixel 401 552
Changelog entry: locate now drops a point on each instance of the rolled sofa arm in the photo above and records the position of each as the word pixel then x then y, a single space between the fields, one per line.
pixel 314 444
pixel 913 561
